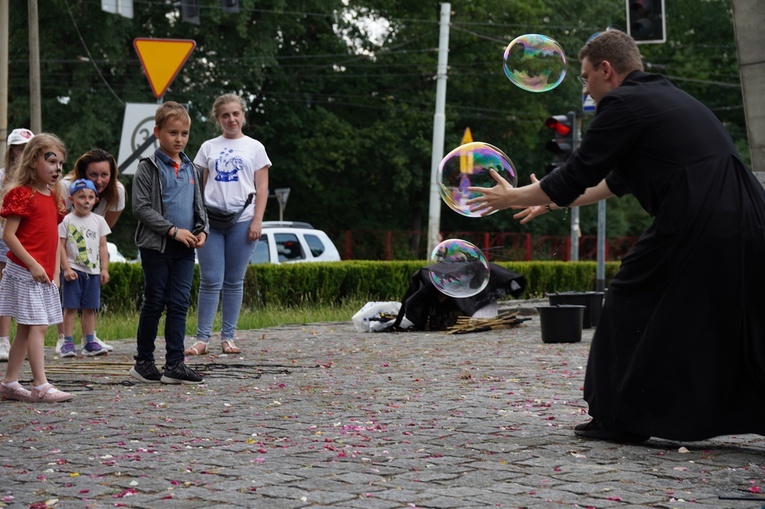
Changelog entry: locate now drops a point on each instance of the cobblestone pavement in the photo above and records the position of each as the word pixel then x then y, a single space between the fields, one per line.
pixel 319 415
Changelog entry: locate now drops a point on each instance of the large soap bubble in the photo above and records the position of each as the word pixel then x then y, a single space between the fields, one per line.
pixel 468 165
pixel 458 268
pixel 535 63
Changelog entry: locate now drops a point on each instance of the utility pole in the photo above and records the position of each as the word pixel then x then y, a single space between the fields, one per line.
pixel 35 101
pixel 748 20
pixel 439 125
pixel 3 76
pixel 576 230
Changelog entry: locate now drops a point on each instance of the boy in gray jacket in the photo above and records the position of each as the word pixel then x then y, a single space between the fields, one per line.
pixel 172 223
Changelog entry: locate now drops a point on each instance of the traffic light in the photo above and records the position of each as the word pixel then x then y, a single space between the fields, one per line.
pixel 229 5
pixel 645 21
pixel 190 11
pixel 563 144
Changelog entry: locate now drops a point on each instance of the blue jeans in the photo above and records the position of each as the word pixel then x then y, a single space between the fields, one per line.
pixel 167 281
pixel 222 264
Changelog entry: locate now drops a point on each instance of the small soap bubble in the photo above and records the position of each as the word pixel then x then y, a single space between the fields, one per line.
pixel 458 268
pixel 468 166
pixel 535 63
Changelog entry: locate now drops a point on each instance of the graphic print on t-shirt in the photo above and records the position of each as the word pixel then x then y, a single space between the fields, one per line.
pixel 77 237
pixel 227 166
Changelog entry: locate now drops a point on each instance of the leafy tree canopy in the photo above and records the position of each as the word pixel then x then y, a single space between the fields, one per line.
pixel 342 92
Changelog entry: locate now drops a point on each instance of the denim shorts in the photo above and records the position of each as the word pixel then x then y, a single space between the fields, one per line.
pixel 82 293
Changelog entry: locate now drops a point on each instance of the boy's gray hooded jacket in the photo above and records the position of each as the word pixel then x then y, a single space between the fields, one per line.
pixel 149 209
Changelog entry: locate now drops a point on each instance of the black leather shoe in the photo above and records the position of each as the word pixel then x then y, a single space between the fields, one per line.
pixel 595 430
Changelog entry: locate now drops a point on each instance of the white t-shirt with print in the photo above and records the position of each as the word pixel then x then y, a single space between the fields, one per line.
pixel 83 237
pixel 231 165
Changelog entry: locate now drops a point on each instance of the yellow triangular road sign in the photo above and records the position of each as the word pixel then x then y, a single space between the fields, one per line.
pixel 466 158
pixel 162 59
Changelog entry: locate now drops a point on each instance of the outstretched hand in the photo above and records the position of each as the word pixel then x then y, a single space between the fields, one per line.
pixel 529 213
pixel 494 198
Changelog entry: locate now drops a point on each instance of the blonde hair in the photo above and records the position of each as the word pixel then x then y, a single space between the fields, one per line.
pixel 171 110
pixel 225 99
pixel 25 173
pixel 618 48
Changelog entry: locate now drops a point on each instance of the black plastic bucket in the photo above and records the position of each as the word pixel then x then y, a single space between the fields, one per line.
pixel 593 301
pixel 561 324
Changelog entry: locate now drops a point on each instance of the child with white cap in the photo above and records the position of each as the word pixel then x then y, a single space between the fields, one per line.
pixel 17 140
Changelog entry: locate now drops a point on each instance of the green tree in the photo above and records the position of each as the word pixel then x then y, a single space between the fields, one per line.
pixel 342 93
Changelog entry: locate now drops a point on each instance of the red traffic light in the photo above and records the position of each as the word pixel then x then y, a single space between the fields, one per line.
pixel 559 124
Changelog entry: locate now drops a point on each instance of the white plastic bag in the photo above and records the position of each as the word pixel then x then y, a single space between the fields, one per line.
pixel 376 316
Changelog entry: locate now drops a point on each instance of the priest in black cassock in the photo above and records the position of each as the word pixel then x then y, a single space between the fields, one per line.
pixel 679 352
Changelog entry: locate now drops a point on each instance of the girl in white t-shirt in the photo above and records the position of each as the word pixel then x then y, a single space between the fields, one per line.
pixel 235 166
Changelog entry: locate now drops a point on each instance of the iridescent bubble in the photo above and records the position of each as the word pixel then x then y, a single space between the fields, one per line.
pixel 468 165
pixel 535 63
pixel 458 268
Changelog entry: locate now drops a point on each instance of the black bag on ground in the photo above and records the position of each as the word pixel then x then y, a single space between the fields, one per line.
pixel 429 309
pixel 222 219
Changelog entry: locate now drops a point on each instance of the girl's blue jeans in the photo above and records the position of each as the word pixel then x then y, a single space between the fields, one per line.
pixel 222 264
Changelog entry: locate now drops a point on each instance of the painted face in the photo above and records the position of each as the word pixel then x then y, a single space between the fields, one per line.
pixel 100 174
pixel 49 166
pixel 173 136
pixel 83 201
pixel 231 119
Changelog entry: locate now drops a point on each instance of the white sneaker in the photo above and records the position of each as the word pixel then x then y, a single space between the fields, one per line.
pixel 5 348
pixel 108 348
pixel 59 343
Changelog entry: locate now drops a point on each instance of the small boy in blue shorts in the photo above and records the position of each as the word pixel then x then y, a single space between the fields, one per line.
pixel 85 266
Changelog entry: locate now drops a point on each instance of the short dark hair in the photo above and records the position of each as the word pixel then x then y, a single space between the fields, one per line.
pixel 615 46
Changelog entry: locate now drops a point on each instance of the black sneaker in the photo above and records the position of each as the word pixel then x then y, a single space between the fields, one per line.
pixel 146 372
pixel 181 374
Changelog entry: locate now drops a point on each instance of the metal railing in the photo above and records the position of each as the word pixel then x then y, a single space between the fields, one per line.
pixel 496 246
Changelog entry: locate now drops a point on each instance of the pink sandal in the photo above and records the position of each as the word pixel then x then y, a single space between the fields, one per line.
pixel 17 393
pixel 48 394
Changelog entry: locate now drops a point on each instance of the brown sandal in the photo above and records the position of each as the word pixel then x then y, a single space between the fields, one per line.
pixel 228 346
pixel 199 348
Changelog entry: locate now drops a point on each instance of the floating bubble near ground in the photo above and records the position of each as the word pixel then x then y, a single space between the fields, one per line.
pixel 458 268
pixel 468 166
pixel 535 63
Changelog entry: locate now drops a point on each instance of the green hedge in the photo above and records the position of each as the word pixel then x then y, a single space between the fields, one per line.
pixel 328 283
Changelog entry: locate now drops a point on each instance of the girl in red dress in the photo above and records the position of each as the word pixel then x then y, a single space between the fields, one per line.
pixel 32 207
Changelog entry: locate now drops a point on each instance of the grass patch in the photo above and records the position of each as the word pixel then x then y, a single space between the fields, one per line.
pixel 112 326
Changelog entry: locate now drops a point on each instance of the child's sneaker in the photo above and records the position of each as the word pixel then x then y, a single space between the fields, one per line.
pixel 146 372
pixel 60 343
pixel 108 348
pixel 92 349
pixel 181 374
pixel 68 349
